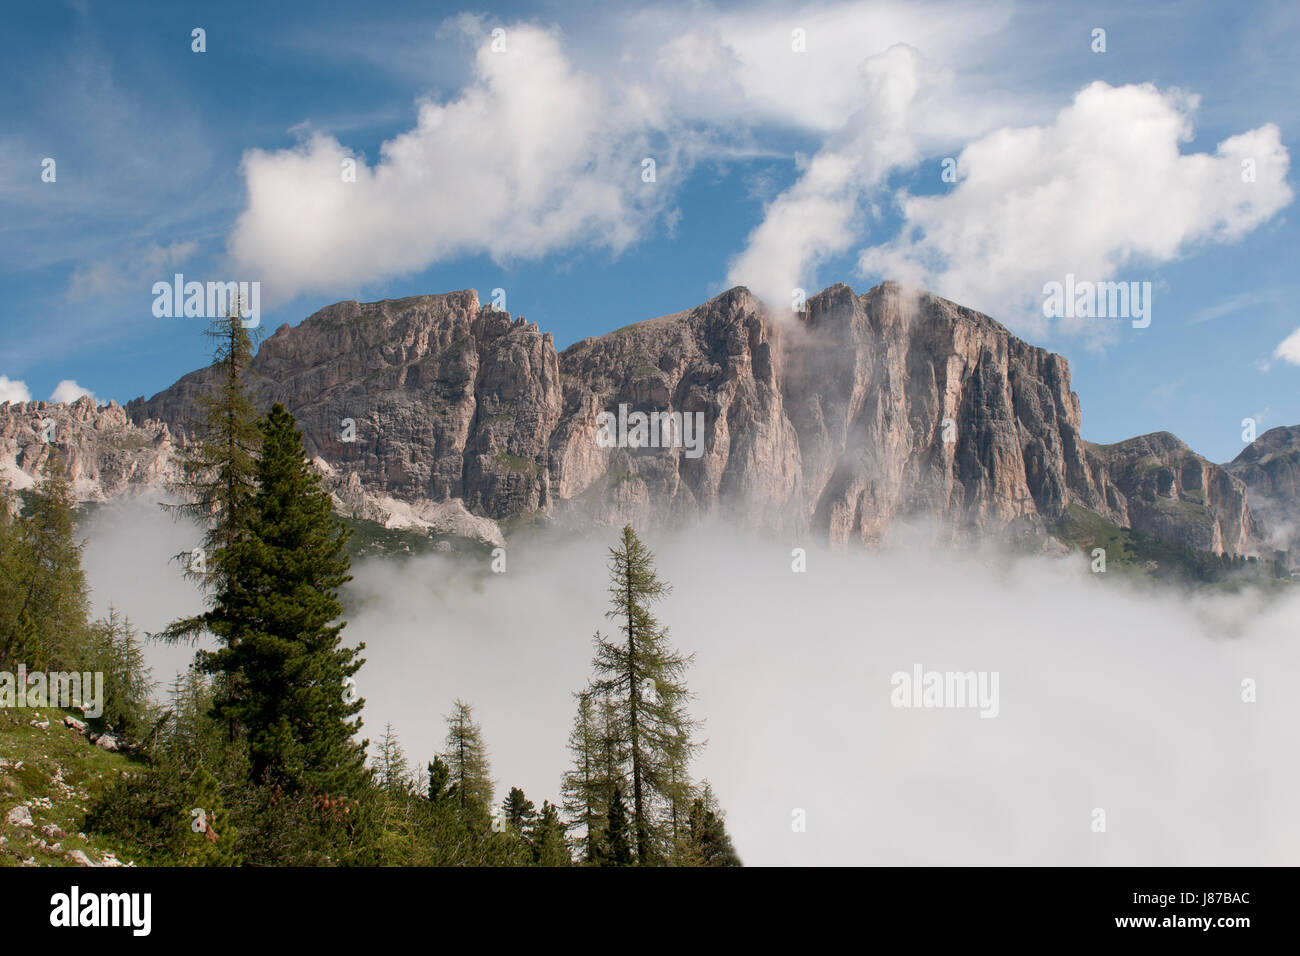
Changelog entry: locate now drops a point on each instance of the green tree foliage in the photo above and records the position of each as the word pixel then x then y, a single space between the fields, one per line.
pixel 617 838
pixel 642 678
pixel 212 840
pixel 706 837
pixel 584 787
pixel 519 810
pixel 547 838
pixel 43 596
pixel 218 465
pixel 469 774
pixel 275 618
pixel 439 778
pixel 114 650
pixel 599 759
pixel 150 810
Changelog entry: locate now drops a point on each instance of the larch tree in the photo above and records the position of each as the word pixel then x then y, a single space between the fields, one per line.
pixel 469 774
pixel 218 478
pixel 643 679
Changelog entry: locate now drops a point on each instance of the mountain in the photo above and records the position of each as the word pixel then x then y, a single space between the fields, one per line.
pixel 1174 494
pixel 839 423
pixel 1270 468
pixel 106 454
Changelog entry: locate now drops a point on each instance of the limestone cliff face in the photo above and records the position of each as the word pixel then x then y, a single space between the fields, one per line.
pixel 428 398
pixel 1173 493
pixel 104 452
pixel 840 423
pixel 1270 468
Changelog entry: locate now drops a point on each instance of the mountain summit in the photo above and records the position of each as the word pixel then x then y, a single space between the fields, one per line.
pixel 839 422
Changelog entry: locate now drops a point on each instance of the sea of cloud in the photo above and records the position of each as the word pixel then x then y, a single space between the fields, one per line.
pixel 1112 697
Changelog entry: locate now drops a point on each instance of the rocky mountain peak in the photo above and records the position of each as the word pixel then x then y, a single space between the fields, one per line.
pixel 836 422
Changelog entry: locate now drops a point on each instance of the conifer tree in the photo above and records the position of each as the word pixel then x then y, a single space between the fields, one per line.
pixel 643 678
pixel 518 809
pixel 547 838
pixel 43 618
pixel 710 844
pixel 439 776
pixel 115 652
pixel 617 839
pixel 470 776
pixel 218 464
pixel 391 766
pixel 274 618
pixel 586 788
pixel 394 798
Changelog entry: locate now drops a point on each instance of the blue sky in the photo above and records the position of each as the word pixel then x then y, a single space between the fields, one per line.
pixel 521 168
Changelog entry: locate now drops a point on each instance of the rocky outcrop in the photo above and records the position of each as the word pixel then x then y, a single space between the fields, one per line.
pixel 843 422
pixel 428 398
pixel 1270 468
pixel 105 453
pixel 863 411
pixel 1167 490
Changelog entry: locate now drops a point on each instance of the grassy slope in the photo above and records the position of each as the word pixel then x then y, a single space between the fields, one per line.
pixel 57 774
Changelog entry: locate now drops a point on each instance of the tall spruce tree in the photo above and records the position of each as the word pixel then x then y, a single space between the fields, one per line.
pixel 617 840
pixel 218 477
pixel 469 775
pixel 642 676
pixel 275 620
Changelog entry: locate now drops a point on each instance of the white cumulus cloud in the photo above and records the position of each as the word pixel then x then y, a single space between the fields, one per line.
pixel 1289 350
pixel 69 391
pixel 13 390
pixel 531 157
pixel 1104 188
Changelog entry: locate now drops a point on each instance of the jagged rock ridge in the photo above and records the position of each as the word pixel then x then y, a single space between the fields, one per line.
pixel 840 422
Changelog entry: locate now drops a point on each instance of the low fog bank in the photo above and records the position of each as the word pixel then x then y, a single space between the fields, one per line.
pixel 1110 697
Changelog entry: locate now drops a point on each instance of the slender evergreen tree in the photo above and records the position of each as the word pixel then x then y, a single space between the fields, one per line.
pixel 586 787
pixel 391 767
pixel 547 838
pixel 439 778
pixel 617 838
pixel 643 679
pixel 519 810
pixel 277 620
pixel 218 479
pixel 469 773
